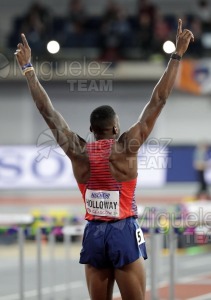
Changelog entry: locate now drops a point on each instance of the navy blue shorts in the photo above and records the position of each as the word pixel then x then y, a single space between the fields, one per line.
pixel 112 244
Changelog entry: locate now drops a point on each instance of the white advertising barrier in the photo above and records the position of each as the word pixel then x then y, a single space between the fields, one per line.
pixel 199 212
pixel 208 172
pixel 32 167
pixel 16 219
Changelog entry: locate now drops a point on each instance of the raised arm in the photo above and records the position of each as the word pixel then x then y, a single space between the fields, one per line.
pixel 139 132
pixel 68 140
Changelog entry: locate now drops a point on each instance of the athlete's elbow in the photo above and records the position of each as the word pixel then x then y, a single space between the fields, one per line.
pixel 41 108
pixel 45 110
pixel 161 97
pixel 162 101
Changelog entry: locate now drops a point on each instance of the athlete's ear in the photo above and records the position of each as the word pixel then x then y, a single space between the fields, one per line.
pixel 115 130
pixel 90 128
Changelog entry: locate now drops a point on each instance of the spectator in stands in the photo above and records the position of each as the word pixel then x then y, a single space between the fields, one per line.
pixel 203 13
pixel 115 32
pixel 162 32
pixel 144 36
pixel 196 49
pixel 76 17
pixel 75 24
pixel 36 23
pixel 146 7
pixel 110 13
pixel 200 164
pixel 146 19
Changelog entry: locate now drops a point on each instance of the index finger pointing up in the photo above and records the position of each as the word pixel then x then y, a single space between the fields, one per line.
pixel 25 43
pixel 179 28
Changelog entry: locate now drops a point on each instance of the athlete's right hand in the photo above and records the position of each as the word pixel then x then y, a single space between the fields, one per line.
pixel 23 52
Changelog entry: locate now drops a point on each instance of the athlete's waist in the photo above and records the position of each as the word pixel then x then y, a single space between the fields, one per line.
pixel 112 221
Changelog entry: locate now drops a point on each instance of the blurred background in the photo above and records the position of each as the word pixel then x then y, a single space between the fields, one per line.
pixel 86 54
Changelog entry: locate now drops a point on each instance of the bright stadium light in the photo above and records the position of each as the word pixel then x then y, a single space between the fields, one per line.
pixel 53 47
pixel 169 47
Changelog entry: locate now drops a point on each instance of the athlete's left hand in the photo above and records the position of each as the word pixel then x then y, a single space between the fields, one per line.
pixel 23 52
pixel 183 39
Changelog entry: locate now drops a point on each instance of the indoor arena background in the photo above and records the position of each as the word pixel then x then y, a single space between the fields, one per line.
pixel 107 52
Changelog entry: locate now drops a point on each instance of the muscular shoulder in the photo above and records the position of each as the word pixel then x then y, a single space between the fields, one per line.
pixel 120 150
pixel 76 146
pixel 123 165
pixel 129 143
pixel 79 159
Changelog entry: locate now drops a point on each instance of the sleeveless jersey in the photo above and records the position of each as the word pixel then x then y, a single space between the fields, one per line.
pixel 105 198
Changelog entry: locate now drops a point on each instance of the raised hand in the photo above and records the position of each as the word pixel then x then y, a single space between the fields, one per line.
pixel 183 39
pixel 23 52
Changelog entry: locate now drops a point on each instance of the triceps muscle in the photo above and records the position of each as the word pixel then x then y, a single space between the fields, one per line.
pixel 67 140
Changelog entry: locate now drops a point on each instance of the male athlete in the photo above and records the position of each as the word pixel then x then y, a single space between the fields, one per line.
pixel 113 244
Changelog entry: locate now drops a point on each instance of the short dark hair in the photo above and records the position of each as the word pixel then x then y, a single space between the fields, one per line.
pixel 101 117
